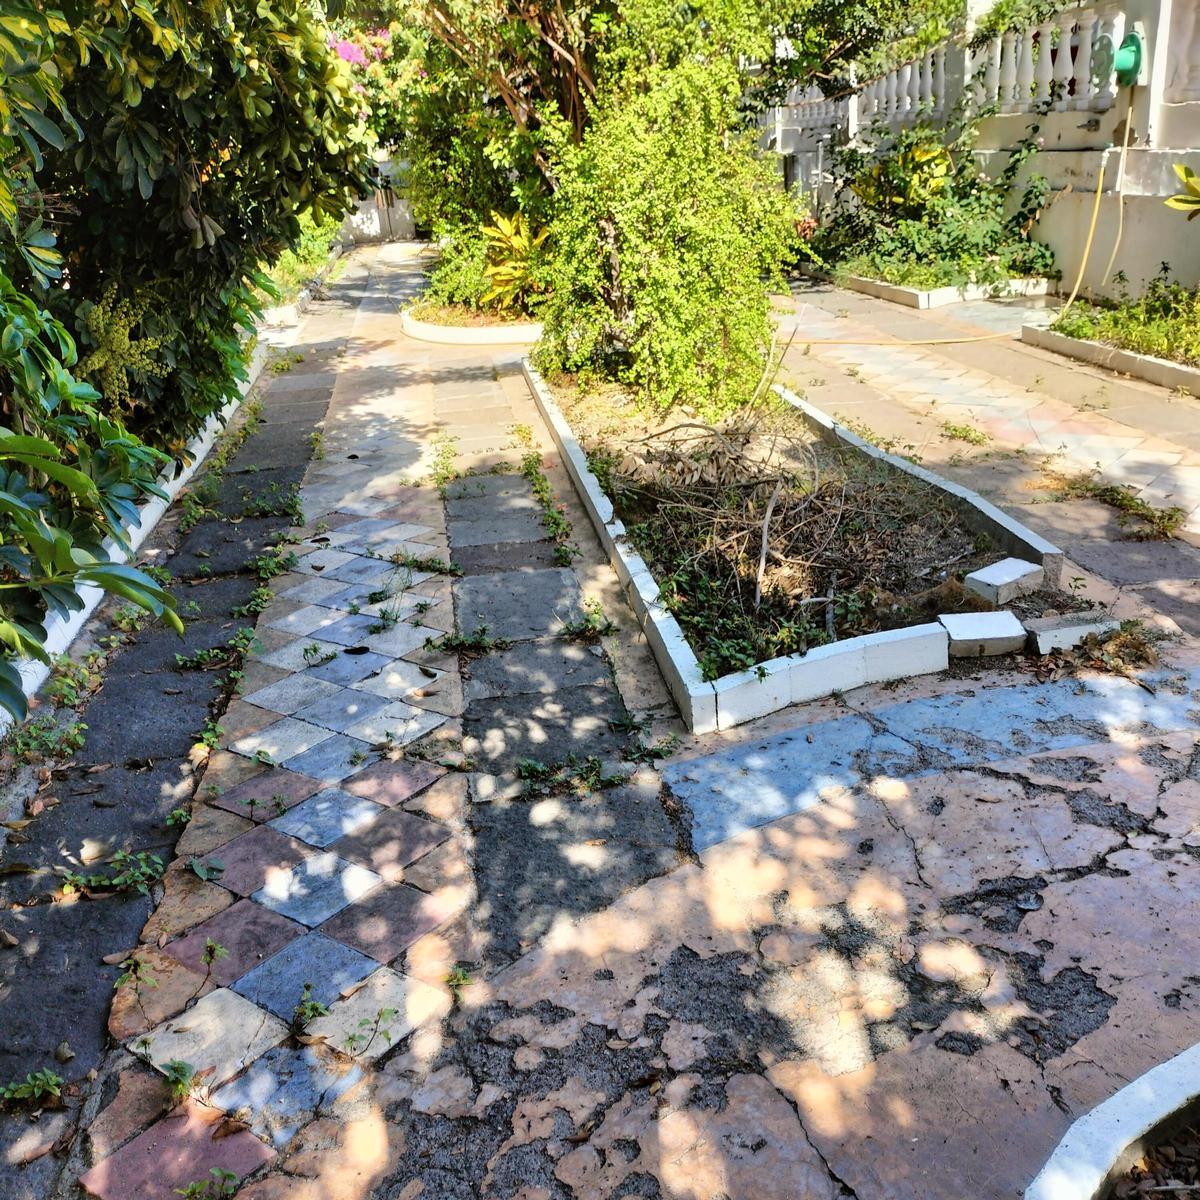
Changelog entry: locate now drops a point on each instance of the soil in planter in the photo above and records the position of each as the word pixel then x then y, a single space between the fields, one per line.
pixel 460 315
pixel 852 546
pixel 1170 1168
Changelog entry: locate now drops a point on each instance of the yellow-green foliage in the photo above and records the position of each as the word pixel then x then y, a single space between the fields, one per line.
pixel 108 326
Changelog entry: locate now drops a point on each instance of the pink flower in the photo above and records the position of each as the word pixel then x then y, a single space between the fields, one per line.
pixel 350 52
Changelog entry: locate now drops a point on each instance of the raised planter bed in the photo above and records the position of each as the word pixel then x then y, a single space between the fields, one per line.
pixel 1141 366
pixel 708 705
pixel 523 333
pixel 1101 1146
pixel 935 297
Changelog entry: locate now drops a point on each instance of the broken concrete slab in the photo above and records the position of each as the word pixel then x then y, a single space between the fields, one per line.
pixel 1005 580
pixel 1066 632
pixel 984 634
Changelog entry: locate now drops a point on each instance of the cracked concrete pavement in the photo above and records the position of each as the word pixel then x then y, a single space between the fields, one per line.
pixel 885 946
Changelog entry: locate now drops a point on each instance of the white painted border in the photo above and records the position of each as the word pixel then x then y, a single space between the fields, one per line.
pixel 982 515
pixel 934 297
pixel 1103 1142
pixel 515 334
pixel 734 699
pixel 1141 366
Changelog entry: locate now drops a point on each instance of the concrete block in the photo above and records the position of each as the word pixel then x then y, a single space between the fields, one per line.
pixel 982 635
pixel 1066 632
pixel 839 667
pixel 1005 580
pixel 901 653
pixel 746 695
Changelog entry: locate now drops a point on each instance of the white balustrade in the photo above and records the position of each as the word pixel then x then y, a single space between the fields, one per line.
pixel 1064 61
pixel 1043 87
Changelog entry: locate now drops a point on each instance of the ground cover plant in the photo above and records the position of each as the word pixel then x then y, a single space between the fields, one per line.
pixel 766 541
pixel 1164 321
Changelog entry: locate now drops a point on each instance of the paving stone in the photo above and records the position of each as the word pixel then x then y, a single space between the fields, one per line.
pixel 142 1097
pixel 241 719
pixel 255 858
pixel 401 639
pixel 472 498
pixel 394 840
pixel 260 798
pixel 327 816
pixel 528 668
pixel 305 621
pixel 445 801
pixel 187 900
pixel 349 668
pixel 1005 580
pixel 313 890
pixel 282 740
pixel 399 680
pixel 361 570
pixel 333 759
pixel 502 526
pixel 247 931
pixel 324 562
pixel 208 829
pixel 314 591
pixel 342 707
pixel 499 732
pixel 135 1010
pixel 329 966
pixel 981 635
pixel 350 630
pixel 505 556
pixel 411 1002
pixel 218 1035
pixel 285 1089
pixel 294 654
pixel 393 781
pixel 397 724
pixel 518 604
pixel 389 920
pixel 293 693
pixel 178 1150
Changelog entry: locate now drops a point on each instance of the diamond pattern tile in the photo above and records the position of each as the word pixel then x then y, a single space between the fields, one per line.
pixel 248 932
pixel 254 859
pixel 385 923
pixel 395 839
pixel 327 816
pixel 313 890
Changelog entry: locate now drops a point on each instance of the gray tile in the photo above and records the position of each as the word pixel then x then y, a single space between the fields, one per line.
pixel 535 667
pixel 338 707
pixel 312 891
pixel 518 604
pixel 349 668
pixel 333 759
pixel 327 816
pixel 497 527
pixel 328 965
pixel 295 692
pixel 282 740
pixel 360 570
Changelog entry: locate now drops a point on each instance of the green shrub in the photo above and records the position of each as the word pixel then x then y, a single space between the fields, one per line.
pixel 1164 322
pixel 460 275
pixel 666 225
pixel 923 215
pixel 301 263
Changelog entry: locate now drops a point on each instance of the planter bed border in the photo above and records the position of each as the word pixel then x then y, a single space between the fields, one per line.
pixel 708 705
pixel 1128 362
pixel 524 333
pixel 939 297
pixel 1103 1143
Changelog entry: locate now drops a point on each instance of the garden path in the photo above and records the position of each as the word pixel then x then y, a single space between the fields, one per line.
pixel 886 945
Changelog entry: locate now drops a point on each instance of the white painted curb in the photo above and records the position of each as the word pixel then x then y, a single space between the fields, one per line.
pixel 516 334
pixel 734 699
pixel 1141 366
pixel 979 514
pixel 1103 1143
pixel 934 297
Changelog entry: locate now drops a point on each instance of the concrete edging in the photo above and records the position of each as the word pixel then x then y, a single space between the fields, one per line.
pixel 1104 1142
pixel 792 679
pixel 1142 366
pixel 934 297
pixel 979 514
pixel 516 334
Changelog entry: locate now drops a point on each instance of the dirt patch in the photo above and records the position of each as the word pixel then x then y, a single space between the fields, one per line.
pixel 1169 1167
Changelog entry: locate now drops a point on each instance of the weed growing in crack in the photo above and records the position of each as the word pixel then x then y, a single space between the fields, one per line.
pixel 217 657
pixel 135 975
pixel 429 563
pixel 181 1077
pixel 275 501
pixel 258 603
pixel 316 440
pixel 359 1042
pixel 272 562
pixel 131 872
pixel 590 627
pixel 1151 524
pixel 208 869
pixel 467 645
pixel 443 471
pixel 314 656
pixel 639 753
pixel 965 433
pixel 71 682
pixel 43 738
pixel 582 776
pixel 307 1009
pixel 39 1089
pixel 554 516
pixel 210 735
pixel 178 818
pixel 219 1183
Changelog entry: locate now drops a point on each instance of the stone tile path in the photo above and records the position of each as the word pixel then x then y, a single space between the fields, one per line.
pixel 884 946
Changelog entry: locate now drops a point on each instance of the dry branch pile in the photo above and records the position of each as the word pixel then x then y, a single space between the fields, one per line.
pixel 766 541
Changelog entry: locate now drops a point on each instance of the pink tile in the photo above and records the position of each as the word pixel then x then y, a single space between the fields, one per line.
pixel 385 923
pixel 391 782
pixel 393 840
pixel 276 789
pixel 252 859
pixel 180 1149
pixel 249 932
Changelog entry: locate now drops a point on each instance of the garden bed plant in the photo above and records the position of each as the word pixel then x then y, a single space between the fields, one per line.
pixel 1164 322
pixel 914 209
